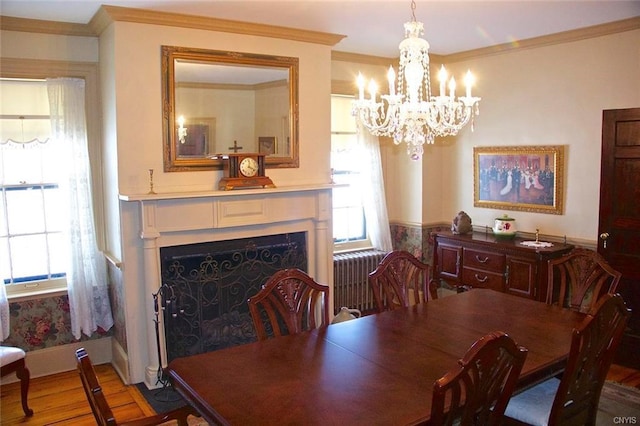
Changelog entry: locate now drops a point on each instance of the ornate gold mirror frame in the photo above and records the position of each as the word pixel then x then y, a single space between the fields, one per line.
pixel 217 102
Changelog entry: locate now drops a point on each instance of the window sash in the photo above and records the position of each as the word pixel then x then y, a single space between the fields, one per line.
pixel 31 248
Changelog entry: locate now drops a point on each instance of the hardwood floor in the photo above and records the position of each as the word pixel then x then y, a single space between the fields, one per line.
pixel 60 400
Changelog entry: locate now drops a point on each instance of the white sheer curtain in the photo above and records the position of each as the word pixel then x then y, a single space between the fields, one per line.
pixel 86 274
pixel 375 205
pixel 4 312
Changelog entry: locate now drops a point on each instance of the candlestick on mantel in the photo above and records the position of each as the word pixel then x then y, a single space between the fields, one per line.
pixel 151 191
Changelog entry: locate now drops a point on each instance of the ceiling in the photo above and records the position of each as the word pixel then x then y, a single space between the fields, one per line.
pixel 372 27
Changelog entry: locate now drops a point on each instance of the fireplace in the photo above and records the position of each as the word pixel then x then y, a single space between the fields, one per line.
pixel 165 221
pixel 207 286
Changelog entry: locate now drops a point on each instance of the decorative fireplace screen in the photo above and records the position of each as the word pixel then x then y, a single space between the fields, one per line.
pixel 207 286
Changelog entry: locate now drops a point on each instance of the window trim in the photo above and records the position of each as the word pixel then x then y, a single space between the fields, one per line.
pixel 350 245
pixel 36 288
pixel 41 69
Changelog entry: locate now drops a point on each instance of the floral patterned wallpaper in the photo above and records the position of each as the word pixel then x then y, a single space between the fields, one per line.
pixel 42 323
pixel 414 239
pixel 46 322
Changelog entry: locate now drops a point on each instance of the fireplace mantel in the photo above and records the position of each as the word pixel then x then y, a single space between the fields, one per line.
pixel 216 194
pixel 167 219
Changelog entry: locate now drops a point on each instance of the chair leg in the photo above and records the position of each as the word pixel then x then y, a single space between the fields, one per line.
pixel 23 374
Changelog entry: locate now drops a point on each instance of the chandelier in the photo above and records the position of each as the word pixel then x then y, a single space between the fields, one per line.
pixel 409 113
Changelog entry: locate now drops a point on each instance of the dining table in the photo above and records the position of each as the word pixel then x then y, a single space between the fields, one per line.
pixel 375 370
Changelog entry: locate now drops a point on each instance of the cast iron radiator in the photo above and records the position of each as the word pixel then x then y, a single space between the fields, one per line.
pixel 207 286
pixel 351 279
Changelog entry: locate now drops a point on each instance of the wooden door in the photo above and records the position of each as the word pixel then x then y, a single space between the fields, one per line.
pixel 619 224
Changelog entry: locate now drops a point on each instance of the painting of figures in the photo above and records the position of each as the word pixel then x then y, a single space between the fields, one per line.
pixel 519 178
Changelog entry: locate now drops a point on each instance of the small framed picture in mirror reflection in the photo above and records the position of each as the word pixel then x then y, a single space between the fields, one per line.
pixel 267 145
pixel 198 139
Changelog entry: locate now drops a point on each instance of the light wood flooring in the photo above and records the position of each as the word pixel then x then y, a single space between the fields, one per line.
pixel 59 399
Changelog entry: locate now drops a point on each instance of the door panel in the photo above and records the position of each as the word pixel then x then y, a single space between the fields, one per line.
pixel 619 221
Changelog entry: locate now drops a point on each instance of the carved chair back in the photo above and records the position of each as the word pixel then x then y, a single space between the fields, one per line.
pixel 101 409
pixel 401 280
pixel 290 302
pixel 593 346
pixel 579 279
pixel 478 390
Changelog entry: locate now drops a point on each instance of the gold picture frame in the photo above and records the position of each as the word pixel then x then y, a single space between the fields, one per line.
pixel 524 178
pixel 267 145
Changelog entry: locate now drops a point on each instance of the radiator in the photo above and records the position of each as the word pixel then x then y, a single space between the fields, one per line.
pixel 350 279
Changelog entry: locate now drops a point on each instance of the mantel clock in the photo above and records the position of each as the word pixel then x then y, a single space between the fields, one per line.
pixel 243 170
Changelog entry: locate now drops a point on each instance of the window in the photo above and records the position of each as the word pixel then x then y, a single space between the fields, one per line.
pixel 349 224
pixel 32 254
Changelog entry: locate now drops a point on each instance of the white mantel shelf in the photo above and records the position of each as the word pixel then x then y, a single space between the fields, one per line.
pixel 233 193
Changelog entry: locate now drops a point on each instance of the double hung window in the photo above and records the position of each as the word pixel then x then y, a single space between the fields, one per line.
pixel 32 254
pixel 349 223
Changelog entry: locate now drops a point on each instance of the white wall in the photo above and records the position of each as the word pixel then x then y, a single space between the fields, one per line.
pixel 550 95
pixel 137 74
pixel 18 44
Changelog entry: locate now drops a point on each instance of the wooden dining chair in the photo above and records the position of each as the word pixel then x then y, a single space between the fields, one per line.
pixel 579 279
pixel 12 360
pixel 478 390
pixel 101 409
pixel 573 399
pixel 289 302
pixel 400 280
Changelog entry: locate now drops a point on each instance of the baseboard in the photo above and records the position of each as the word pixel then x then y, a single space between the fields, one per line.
pixel 120 362
pixel 58 359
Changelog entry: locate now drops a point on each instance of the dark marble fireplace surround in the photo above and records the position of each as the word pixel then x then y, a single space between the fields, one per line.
pixel 207 286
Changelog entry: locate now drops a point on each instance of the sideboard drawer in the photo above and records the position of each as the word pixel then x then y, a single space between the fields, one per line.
pixel 485 260
pixel 483 279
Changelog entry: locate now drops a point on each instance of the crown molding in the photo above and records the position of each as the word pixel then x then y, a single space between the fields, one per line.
pixel 371 59
pixel 531 43
pixel 549 40
pixel 361 59
pixel 10 23
pixel 108 14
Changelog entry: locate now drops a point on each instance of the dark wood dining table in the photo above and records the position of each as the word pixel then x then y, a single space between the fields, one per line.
pixel 378 369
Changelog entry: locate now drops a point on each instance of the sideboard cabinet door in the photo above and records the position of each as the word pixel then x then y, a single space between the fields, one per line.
pixel 521 277
pixel 450 261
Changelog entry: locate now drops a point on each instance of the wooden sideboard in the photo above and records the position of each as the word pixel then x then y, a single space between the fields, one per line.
pixel 481 260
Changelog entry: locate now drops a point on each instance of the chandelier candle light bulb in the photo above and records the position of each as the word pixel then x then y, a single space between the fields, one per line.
pixel 182 131
pixel 468 82
pixel 442 78
pixel 410 113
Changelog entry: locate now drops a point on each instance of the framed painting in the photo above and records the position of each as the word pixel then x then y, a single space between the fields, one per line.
pixel 267 145
pixel 524 178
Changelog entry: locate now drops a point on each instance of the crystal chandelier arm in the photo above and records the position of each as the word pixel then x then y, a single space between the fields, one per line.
pixel 372 114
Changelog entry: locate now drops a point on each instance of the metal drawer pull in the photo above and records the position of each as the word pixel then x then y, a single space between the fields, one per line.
pixel 482 260
pixel 481 280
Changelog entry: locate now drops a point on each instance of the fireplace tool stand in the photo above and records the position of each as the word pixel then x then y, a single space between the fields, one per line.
pixel 164 300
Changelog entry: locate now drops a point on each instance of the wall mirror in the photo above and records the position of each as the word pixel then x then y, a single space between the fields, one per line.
pixel 217 102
